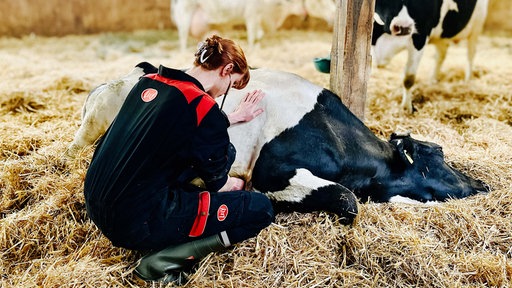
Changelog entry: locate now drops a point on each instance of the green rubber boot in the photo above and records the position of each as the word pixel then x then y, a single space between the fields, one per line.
pixel 169 264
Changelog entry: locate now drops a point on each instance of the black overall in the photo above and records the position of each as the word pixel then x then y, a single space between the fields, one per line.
pixel 137 189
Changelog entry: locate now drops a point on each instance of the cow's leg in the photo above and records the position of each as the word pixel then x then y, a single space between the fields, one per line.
pixel 308 193
pixel 413 61
pixel 472 41
pixel 86 135
pixel 254 29
pixel 199 26
pixel 478 26
pixel 182 12
pixel 441 49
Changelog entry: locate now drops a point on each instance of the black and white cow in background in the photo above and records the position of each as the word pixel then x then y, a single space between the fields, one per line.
pixel 308 152
pixel 412 24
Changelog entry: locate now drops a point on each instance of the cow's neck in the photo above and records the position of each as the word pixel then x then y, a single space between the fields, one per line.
pixel 365 154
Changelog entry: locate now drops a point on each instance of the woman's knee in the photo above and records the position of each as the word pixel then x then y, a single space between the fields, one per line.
pixel 261 209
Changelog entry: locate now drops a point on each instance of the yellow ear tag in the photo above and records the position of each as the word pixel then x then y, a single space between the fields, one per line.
pixel 409 158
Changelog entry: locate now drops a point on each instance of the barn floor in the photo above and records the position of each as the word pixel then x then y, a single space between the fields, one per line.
pixel 46 239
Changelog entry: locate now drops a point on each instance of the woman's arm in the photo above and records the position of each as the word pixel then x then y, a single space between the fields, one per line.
pixel 233 184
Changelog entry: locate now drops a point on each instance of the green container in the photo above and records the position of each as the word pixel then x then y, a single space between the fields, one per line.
pixel 323 64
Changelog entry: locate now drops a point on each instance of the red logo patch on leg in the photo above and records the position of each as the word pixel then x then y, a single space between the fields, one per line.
pixel 222 212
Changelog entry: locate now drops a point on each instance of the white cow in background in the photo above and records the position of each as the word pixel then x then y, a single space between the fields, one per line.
pixel 321 9
pixel 259 16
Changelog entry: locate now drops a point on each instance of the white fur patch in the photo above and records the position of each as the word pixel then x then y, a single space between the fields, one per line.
pixel 404 19
pixel 377 19
pixel 386 47
pixel 100 109
pixel 300 186
pixel 406 200
pixel 287 98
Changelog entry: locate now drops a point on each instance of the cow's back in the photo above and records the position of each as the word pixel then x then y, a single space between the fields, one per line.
pixel 460 21
pixel 230 12
pixel 288 97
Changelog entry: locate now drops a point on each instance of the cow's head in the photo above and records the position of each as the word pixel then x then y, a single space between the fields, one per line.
pixel 394 17
pixel 385 46
pixel 420 173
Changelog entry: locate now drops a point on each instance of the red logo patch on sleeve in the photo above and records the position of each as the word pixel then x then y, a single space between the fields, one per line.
pixel 148 95
pixel 222 212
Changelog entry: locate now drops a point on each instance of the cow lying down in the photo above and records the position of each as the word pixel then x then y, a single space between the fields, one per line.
pixel 308 152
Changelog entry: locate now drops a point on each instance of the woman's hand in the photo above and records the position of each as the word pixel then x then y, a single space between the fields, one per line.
pixel 247 108
pixel 233 184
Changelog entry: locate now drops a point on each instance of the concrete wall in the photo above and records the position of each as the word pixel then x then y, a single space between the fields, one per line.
pixel 61 17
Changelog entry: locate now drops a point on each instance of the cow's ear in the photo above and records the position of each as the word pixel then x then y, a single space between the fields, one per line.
pixel 377 19
pixel 404 147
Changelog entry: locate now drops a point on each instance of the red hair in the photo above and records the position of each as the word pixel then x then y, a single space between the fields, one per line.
pixel 217 52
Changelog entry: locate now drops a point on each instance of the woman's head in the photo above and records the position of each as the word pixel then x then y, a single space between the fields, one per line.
pixel 216 52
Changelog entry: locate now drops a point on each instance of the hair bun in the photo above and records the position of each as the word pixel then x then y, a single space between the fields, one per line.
pixel 207 48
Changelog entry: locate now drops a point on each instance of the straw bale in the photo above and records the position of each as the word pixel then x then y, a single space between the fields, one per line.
pixel 47 240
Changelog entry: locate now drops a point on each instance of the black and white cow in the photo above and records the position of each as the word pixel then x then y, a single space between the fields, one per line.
pixel 412 24
pixel 308 152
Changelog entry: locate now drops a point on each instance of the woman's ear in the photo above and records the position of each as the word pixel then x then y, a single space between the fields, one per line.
pixel 228 69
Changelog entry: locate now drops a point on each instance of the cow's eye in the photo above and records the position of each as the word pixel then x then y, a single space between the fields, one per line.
pixel 437 150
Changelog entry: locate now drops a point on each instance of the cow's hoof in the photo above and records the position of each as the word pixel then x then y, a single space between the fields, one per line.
pixel 347 208
pixel 342 202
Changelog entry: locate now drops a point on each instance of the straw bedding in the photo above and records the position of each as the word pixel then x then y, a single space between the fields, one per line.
pixel 46 239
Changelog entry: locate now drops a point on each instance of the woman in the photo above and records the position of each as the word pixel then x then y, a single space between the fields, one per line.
pixel 168 132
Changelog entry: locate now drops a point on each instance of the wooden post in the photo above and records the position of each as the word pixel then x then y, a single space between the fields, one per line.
pixel 350 52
